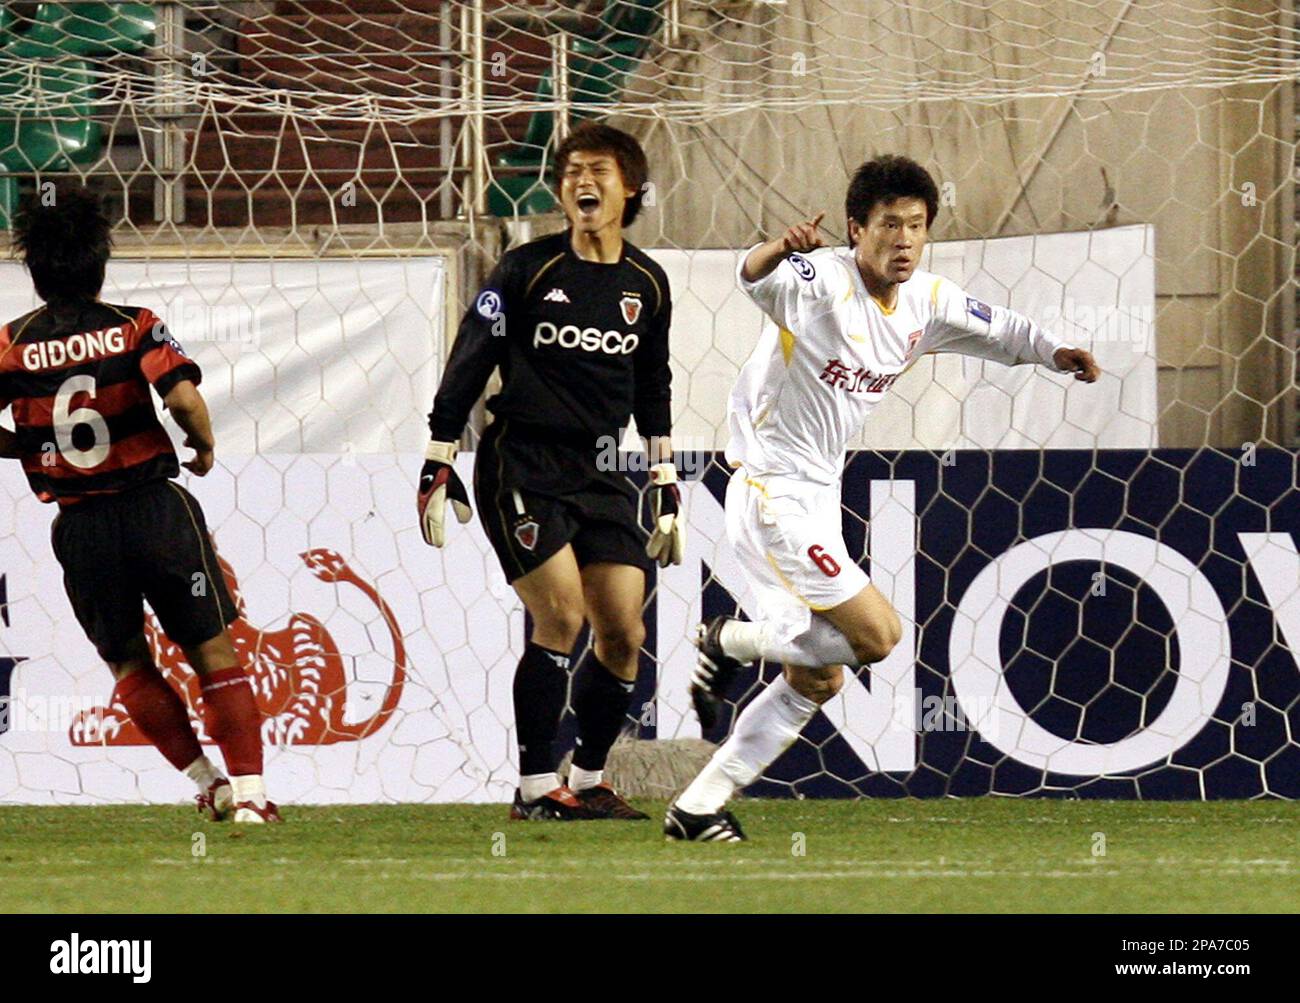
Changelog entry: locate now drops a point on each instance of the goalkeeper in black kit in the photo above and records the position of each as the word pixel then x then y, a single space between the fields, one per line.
pixel 578 324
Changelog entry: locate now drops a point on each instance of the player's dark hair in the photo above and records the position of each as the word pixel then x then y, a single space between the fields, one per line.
pixel 592 137
pixel 885 179
pixel 64 241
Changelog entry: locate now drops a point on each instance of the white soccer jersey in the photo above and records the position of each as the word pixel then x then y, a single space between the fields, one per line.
pixel 835 352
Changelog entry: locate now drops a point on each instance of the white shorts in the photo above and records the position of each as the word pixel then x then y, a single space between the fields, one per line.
pixel 787 537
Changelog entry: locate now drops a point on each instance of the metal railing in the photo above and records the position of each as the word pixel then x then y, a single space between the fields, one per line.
pixel 461 71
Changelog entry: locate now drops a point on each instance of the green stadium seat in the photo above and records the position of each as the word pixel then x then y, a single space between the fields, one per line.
pixel 631 21
pixel 86 29
pixel 598 71
pixel 57 139
pixel 46 58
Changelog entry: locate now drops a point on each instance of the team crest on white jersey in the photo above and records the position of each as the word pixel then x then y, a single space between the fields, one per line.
pixel 556 296
pixel 912 340
pixel 630 304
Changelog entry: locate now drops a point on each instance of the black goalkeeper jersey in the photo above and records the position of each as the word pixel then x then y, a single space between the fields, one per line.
pixel 581 346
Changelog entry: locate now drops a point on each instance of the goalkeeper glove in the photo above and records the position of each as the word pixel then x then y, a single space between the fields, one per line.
pixel 439 484
pixel 668 540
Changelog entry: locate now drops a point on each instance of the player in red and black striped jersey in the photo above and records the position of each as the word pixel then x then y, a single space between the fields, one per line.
pixel 577 323
pixel 77 375
pixel 78 378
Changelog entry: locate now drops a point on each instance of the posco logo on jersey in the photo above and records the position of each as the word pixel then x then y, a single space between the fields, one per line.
pixel 589 339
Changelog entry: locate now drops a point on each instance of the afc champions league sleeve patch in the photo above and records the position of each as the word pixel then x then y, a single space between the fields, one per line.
pixel 488 304
pixel 163 335
pixel 802 267
pixel 980 309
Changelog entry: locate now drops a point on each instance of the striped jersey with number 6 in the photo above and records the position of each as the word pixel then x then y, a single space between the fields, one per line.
pixel 78 378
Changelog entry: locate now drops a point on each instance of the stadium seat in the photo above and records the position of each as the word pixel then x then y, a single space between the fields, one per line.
pixel 631 20
pixel 598 70
pixel 86 29
pixel 49 58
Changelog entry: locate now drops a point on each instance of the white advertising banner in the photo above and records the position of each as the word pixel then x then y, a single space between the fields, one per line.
pixel 1096 290
pixel 384 667
pixel 298 355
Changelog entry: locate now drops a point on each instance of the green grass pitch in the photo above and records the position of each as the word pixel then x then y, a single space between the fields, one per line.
pixel 979 855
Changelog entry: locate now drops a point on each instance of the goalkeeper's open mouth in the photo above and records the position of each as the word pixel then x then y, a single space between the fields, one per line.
pixel 588 204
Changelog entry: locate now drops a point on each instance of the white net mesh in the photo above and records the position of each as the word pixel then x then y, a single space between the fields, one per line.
pixel 309 192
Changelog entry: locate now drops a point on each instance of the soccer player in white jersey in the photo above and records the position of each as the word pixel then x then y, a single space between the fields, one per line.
pixel 849 321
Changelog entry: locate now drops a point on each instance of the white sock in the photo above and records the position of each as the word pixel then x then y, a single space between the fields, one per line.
pixel 535 785
pixel 821 644
pixel 580 779
pixel 249 788
pixel 765 729
pixel 203 773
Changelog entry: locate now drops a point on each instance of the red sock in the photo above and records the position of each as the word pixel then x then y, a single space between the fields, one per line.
pixel 160 715
pixel 233 720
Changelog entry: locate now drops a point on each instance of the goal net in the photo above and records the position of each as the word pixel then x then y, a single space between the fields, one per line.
pixel 1100 586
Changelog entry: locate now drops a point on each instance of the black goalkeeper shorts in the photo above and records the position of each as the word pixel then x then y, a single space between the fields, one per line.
pixel 149 542
pixel 536 494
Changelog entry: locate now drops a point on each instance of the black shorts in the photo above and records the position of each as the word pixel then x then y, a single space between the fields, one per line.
pixel 536 494
pixel 149 542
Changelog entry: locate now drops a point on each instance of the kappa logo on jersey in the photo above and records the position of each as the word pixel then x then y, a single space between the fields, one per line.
pixel 802 267
pixel 526 533
pixel 589 339
pixel 488 304
pixel 630 304
pixel 980 309
pixel 556 296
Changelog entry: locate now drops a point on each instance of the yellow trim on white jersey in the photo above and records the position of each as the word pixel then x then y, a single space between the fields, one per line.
pixel 787 344
pixel 786 582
